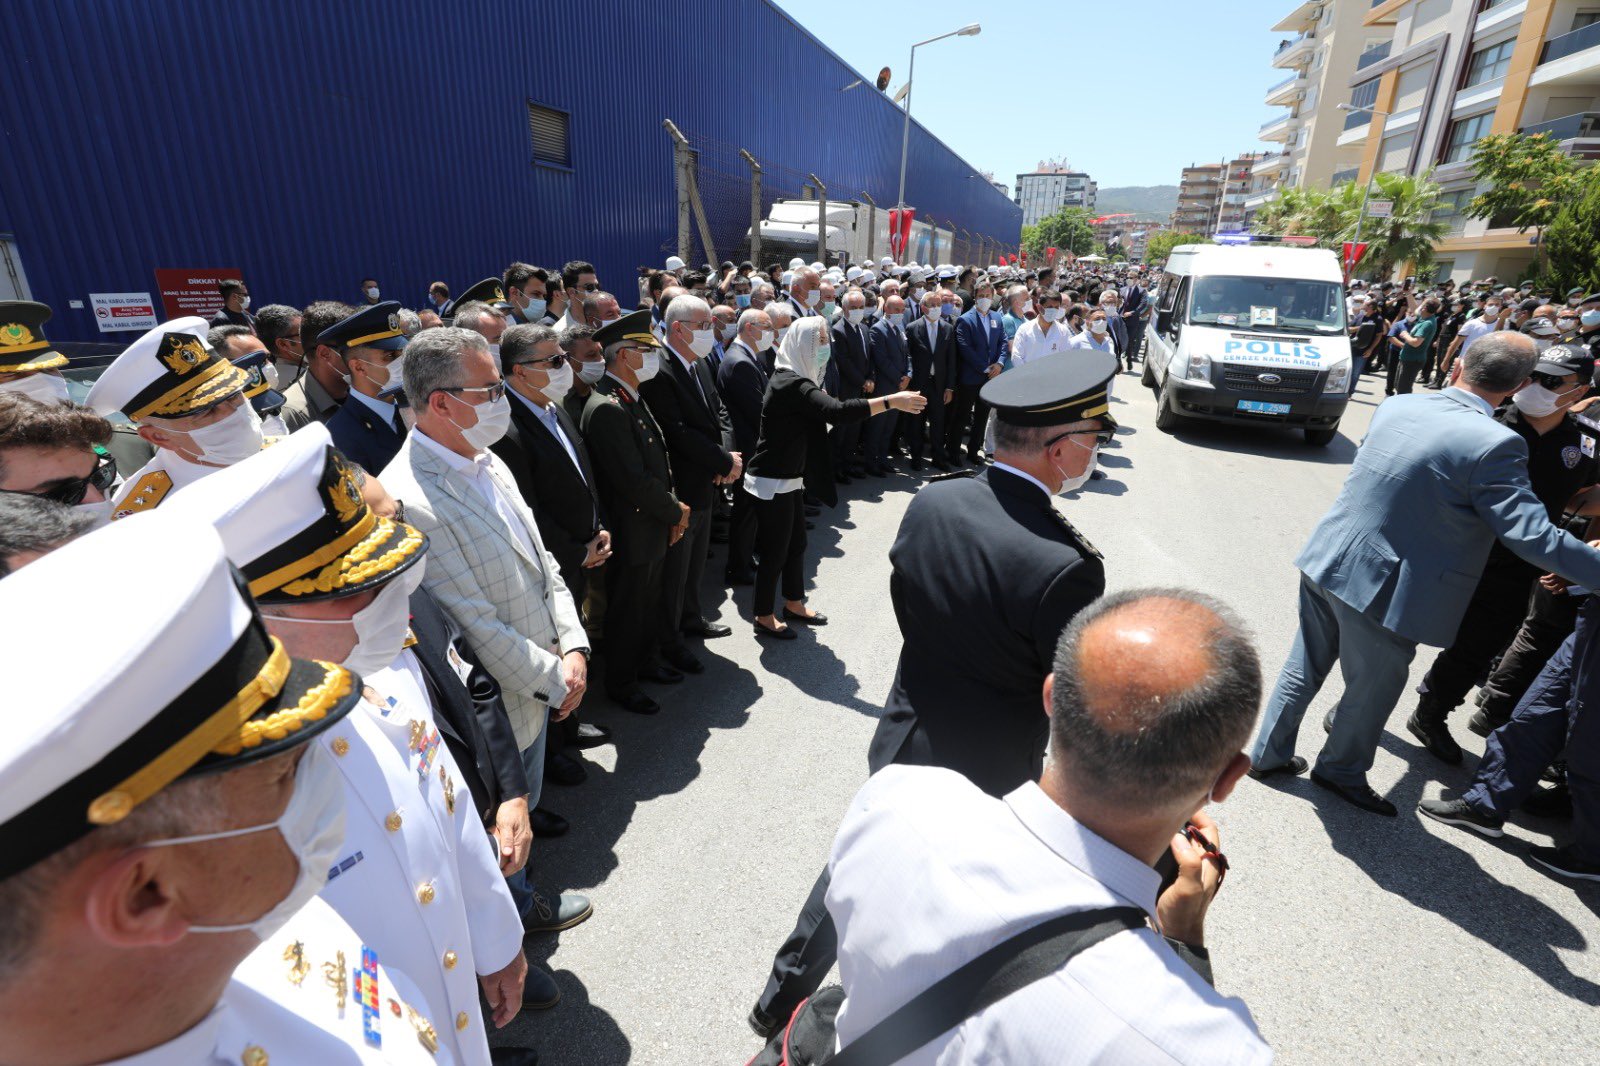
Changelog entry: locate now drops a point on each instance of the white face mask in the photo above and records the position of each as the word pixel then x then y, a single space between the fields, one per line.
pixel 381 625
pixel 651 367
pixel 232 440
pixel 1052 314
pixel 814 297
pixel 1536 401
pixel 312 824
pixel 918 291
pixel 1590 319
pixel 269 373
pixel 764 340
pixel 559 383
pixel 779 333
pixel 494 418
pixel 897 319
pixel 372 292
pixel 701 342
pixel 984 303
pixel 856 315
pixel 44 387
pixel 1073 484
pixel 728 332
pixel 1097 326
pixel 589 373
pixel 244 303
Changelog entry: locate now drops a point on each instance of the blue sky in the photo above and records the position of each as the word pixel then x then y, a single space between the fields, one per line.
pixel 1178 81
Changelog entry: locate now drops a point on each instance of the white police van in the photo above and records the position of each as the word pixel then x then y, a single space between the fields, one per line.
pixel 1250 333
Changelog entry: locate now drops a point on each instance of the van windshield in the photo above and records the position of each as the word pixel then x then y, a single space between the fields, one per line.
pixel 1268 304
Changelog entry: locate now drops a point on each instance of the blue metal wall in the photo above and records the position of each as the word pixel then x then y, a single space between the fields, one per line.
pixel 311 143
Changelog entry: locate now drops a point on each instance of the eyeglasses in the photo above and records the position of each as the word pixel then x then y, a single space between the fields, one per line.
pixel 491 392
pixel 72 490
pixel 591 287
pixel 555 362
pixel 1102 437
pixel 1553 382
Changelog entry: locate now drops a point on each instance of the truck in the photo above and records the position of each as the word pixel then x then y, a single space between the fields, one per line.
pixel 856 232
pixel 1251 334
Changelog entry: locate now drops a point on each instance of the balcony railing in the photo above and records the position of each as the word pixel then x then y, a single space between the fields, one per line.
pixel 1284 84
pixel 1571 43
pixel 1352 119
pixel 1584 125
pixel 1373 54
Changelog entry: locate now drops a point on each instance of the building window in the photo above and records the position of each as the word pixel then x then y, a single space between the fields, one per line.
pixel 548 128
pixel 1585 18
pixel 1464 133
pixel 1363 95
pixel 1442 269
pixel 1489 63
pixel 1452 209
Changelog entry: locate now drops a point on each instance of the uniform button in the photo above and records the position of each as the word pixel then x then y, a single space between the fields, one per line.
pixel 449 960
pixel 254 1055
pixel 341 746
pixel 425 892
pixel 462 1020
pixel 392 823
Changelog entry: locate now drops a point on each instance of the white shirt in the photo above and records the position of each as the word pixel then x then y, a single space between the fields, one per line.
pixel 547 415
pixel 1024 475
pixel 929 872
pixel 478 470
pixel 387 413
pixel 1472 330
pixel 1038 338
pixel 1086 339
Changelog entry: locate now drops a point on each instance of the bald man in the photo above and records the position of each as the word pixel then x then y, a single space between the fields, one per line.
pixel 1136 756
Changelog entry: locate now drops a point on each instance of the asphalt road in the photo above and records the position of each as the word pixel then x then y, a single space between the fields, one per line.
pixel 1353 938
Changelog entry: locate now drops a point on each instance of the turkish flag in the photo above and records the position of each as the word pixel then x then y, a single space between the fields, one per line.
pixel 1050 254
pixel 1353 251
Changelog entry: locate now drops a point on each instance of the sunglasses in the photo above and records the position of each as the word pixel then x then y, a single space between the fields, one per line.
pixel 1553 382
pixel 72 490
pixel 555 362
pixel 1102 437
pixel 491 392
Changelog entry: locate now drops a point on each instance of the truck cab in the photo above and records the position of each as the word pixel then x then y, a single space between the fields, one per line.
pixel 1250 334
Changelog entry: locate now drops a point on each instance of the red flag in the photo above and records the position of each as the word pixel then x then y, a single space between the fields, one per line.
pixel 1050 254
pixel 906 217
pixel 1353 252
pixel 894 232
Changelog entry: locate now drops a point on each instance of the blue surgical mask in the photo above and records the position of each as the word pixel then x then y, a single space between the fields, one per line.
pixel 535 309
pixel 948 310
pixel 741 300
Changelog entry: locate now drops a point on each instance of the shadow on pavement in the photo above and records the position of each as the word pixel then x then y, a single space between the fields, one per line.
pixel 1276 442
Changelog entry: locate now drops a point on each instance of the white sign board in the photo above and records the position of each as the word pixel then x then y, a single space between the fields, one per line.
pixel 118 311
pixel 1380 208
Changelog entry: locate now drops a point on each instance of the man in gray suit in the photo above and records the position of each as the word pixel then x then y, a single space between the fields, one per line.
pixel 1395 561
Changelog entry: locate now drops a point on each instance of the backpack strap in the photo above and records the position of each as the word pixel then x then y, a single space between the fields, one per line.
pixel 1007 967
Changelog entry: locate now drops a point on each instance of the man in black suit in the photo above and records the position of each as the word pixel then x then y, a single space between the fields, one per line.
pixel 547 457
pixel 851 355
pixel 891 373
pixel 742 380
pixel 684 399
pixel 931 340
pixel 986 575
pixel 630 465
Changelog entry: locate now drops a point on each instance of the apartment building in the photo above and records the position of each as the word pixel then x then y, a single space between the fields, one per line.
pixel 1214 197
pixel 1049 188
pixel 1332 40
pixel 1459 70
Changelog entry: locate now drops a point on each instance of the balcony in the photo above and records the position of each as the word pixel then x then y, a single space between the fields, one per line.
pixel 1255 202
pixel 1272 164
pixel 1288 91
pixel 1373 55
pixel 1281 128
pixel 1296 52
pixel 1570 59
pixel 1579 134
pixel 1303 17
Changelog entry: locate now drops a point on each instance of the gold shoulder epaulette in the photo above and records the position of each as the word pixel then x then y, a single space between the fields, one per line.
pixel 147 492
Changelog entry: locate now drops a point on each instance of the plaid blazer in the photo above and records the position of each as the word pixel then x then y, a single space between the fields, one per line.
pixel 513 608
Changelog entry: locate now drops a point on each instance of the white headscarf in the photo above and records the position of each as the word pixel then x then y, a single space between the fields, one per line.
pixel 798 352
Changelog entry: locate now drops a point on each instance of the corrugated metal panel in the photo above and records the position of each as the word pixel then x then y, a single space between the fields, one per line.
pixel 313 144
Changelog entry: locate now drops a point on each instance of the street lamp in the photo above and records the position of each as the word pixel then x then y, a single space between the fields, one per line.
pixel 1367 189
pixel 905 137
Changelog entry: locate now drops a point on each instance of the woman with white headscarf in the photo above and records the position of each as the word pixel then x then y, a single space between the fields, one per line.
pixel 792 455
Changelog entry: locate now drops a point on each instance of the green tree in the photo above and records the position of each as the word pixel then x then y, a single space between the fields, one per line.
pixel 1160 245
pixel 1527 180
pixel 1571 241
pixel 1068 230
pixel 1409 233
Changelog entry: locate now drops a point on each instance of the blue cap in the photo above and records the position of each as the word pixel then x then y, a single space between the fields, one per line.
pixel 377 326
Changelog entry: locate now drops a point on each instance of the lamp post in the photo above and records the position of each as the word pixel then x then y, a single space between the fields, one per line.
pixel 905 137
pixel 1366 190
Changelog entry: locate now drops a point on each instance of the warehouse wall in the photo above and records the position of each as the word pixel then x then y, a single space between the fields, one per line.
pixel 313 143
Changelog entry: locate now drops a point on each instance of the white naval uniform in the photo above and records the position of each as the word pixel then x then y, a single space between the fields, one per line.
pixel 418 880
pixel 165 473
pixel 267 1018
pixel 929 872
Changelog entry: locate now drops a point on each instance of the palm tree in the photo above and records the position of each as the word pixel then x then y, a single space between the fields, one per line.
pixel 1410 231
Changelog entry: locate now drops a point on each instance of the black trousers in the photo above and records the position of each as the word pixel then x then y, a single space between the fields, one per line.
pixel 1392 360
pixel 805 957
pixel 633 606
pixel 781 540
pixel 1407 375
pixel 927 429
pixel 1492 618
pixel 742 531
pixel 846 438
pixel 966 418
pixel 685 565
pixel 1550 620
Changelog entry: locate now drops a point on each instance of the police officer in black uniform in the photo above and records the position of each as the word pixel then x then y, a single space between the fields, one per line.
pixel 986 575
pixel 1561 464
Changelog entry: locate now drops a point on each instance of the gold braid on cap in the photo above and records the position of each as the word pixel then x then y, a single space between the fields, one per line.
pixel 313 707
pixel 358 564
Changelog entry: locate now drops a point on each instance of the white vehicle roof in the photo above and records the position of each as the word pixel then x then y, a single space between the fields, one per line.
pixel 1255 261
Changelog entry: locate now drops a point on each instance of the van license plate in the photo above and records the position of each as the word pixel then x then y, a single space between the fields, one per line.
pixel 1256 407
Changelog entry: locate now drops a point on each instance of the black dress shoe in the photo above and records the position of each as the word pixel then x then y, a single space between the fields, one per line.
pixel 816 618
pixel 547 823
pixel 786 633
pixel 661 675
pixel 1360 795
pixel 551 914
pixel 589 735
pixel 1327 722
pixel 812 512
pixel 1296 766
pixel 1435 736
pixel 539 990
pixel 561 768
pixel 679 659
pixel 841 478
pixel 514 1056
pixel 941 464
pixel 707 630
pixel 637 702
pixel 739 577
pixel 764 1025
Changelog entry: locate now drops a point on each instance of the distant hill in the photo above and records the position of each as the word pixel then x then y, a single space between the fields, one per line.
pixel 1155 201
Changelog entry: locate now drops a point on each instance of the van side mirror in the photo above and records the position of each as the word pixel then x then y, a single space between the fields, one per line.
pixel 1163 321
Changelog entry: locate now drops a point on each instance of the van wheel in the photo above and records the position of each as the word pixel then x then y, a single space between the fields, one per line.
pixel 1148 379
pixel 1167 419
pixel 1319 438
